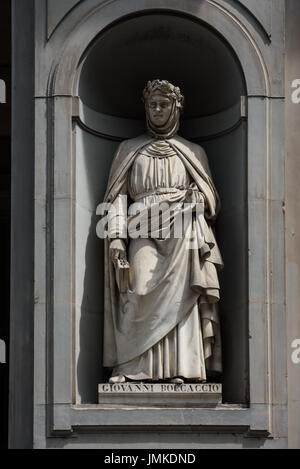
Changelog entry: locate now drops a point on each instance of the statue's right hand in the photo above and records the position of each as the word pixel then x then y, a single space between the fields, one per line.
pixel 117 250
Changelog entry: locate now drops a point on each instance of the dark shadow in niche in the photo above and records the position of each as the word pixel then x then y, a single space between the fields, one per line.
pixel 228 161
pixel 94 156
pixel 89 364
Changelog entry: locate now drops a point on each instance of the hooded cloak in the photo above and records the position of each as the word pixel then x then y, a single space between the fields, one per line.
pixel 166 324
pixel 135 323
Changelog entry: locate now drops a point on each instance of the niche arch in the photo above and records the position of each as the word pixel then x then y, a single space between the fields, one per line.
pixel 110 109
pixel 68 115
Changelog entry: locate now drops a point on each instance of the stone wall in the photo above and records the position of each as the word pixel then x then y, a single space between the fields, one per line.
pixel 292 225
pixel 63 35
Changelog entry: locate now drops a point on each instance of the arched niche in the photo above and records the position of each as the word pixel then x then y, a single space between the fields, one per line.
pixel 62 153
pixel 109 109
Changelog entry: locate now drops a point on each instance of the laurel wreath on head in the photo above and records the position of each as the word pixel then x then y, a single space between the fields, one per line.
pixel 167 89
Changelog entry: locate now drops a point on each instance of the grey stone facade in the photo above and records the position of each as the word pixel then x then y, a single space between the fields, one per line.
pixel 63 142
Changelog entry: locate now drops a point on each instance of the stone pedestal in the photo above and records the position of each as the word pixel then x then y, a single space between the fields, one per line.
pixel 161 394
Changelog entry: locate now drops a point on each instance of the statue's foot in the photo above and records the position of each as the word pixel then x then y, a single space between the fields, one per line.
pixel 177 380
pixel 117 379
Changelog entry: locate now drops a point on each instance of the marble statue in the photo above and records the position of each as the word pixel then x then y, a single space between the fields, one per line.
pixel 161 320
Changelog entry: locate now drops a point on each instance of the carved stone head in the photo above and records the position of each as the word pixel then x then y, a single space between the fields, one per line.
pixel 163 103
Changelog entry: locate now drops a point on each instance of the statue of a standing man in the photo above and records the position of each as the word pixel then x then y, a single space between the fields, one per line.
pixel 165 325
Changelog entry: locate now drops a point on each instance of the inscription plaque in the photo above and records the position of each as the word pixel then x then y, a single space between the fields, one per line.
pixel 161 394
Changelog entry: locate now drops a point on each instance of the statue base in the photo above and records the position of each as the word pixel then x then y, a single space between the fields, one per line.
pixel 160 394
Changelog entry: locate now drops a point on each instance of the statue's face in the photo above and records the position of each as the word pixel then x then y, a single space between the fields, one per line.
pixel 160 108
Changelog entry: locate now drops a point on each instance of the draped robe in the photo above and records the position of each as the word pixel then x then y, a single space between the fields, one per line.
pixel 167 324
